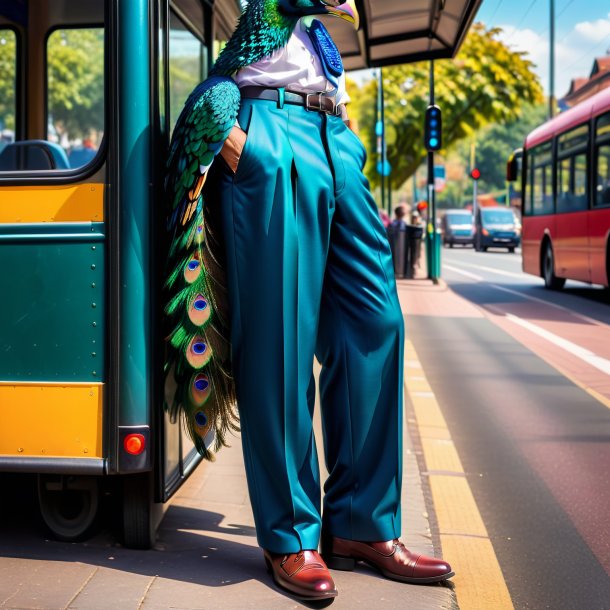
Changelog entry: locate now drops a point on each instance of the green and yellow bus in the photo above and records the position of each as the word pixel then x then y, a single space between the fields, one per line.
pixel 89 92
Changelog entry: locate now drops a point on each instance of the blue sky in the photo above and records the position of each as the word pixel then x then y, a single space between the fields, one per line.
pixel 582 33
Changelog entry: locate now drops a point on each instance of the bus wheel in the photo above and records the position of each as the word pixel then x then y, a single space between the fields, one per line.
pixel 511 250
pixel 68 505
pixel 551 281
pixel 139 523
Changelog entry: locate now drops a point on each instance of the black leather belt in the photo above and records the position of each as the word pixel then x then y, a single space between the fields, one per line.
pixel 312 101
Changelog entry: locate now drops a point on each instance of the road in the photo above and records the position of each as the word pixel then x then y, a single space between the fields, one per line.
pixel 524 385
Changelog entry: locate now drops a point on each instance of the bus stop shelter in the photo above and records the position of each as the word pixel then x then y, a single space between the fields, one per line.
pixel 391 31
pixel 402 31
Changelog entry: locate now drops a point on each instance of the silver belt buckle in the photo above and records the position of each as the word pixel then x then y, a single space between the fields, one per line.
pixel 320 95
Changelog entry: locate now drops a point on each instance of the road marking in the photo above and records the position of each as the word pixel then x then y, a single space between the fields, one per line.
pixel 493 270
pixel 602 364
pixel 587 356
pixel 466 545
pixel 472 276
pixel 518 293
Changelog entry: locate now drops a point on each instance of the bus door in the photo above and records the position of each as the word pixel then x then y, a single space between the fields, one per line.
pixel 572 229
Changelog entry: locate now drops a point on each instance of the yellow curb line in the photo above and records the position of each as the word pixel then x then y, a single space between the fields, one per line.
pixel 479 582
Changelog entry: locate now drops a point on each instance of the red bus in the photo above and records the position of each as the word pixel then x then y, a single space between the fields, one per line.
pixel 566 195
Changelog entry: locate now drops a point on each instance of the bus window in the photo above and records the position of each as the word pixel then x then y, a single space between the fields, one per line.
pixel 75 92
pixel 572 170
pixel 602 195
pixel 8 68
pixel 572 184
pixel 187 65
pixel 602 183
pixel 603 127
pixel 541 191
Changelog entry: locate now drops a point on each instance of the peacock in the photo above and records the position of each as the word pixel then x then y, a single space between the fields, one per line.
pixel 198 381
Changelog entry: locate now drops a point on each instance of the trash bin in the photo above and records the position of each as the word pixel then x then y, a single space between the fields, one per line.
pixel 397 236
pixel 414 237
pixel 405 243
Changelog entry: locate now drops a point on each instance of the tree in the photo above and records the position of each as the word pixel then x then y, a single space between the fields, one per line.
pixel 8 60
pixel 75 70
pixel 494 145
pixel 486 83
pixel 76 80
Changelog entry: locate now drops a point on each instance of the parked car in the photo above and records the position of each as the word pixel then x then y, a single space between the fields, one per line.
pixel 496 227
pixel 457 227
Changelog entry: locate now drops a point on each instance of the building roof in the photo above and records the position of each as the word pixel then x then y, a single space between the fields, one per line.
pixel 584 88
pixel 576 84
pixel 400 31
pixel 601 64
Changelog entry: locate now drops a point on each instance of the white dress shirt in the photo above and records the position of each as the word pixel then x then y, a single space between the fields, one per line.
pixel 296 67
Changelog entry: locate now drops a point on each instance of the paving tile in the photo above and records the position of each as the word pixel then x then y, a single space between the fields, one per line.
pixel 42 584
pixel 112 589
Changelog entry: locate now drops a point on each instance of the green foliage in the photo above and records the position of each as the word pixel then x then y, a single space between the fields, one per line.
pixel 494 145
pixel 75 68
pixel 76 80
pixel 486 83
pixel 7 79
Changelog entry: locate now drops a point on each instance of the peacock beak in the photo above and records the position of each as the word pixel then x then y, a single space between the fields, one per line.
pixel 347 11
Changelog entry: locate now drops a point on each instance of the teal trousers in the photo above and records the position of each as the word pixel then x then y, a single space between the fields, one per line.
pixel 310 273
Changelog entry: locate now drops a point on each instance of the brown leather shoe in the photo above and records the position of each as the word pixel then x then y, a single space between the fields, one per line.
pixel 304 575
pixel 391 558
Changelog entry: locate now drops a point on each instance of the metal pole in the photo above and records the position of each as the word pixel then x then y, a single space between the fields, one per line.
pixel 380 103
pixel 552 61
pixel 475 193
pixel 432 237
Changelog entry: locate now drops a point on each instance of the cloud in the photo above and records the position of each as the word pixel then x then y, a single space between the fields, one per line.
pixel 574 51
pixel 595 31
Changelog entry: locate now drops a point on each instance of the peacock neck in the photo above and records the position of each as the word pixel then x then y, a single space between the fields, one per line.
pixel 261 30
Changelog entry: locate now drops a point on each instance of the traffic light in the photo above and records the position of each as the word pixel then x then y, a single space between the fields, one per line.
pixel 433 129
pixel 475 174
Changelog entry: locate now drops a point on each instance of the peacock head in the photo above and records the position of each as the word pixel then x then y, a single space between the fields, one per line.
pixel 345 9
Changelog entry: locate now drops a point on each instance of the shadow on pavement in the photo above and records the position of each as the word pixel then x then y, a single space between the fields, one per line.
pixel 191 545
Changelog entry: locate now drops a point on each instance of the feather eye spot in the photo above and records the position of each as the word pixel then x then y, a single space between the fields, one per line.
pixel 192 265
pixel 200 419
pixel 199 348
pixel 199 310
pixel 201 304
pixel 199 228
pixel 201 383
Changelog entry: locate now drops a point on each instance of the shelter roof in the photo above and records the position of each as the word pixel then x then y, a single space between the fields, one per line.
pixel 400 31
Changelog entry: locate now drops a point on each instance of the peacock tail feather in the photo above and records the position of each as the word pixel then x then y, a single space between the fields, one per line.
pixel 199 384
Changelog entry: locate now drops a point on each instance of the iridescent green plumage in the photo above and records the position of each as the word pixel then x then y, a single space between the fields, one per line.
pixel 199 384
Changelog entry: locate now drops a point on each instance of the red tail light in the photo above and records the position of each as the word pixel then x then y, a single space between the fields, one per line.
pixel 134 444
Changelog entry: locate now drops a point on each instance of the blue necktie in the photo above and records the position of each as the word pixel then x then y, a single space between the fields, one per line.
pixel 327 51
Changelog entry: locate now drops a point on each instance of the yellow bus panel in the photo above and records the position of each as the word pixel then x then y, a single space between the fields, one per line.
pixel 69 203
pixel 51 420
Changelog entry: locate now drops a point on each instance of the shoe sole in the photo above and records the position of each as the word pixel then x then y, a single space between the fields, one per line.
pixel 347 564
pixel 302 598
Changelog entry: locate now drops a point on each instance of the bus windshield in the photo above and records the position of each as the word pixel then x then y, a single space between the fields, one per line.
pixel 498 217
pixel 459 219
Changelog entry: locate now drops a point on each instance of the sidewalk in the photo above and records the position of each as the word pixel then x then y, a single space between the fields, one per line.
pixel 206 555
